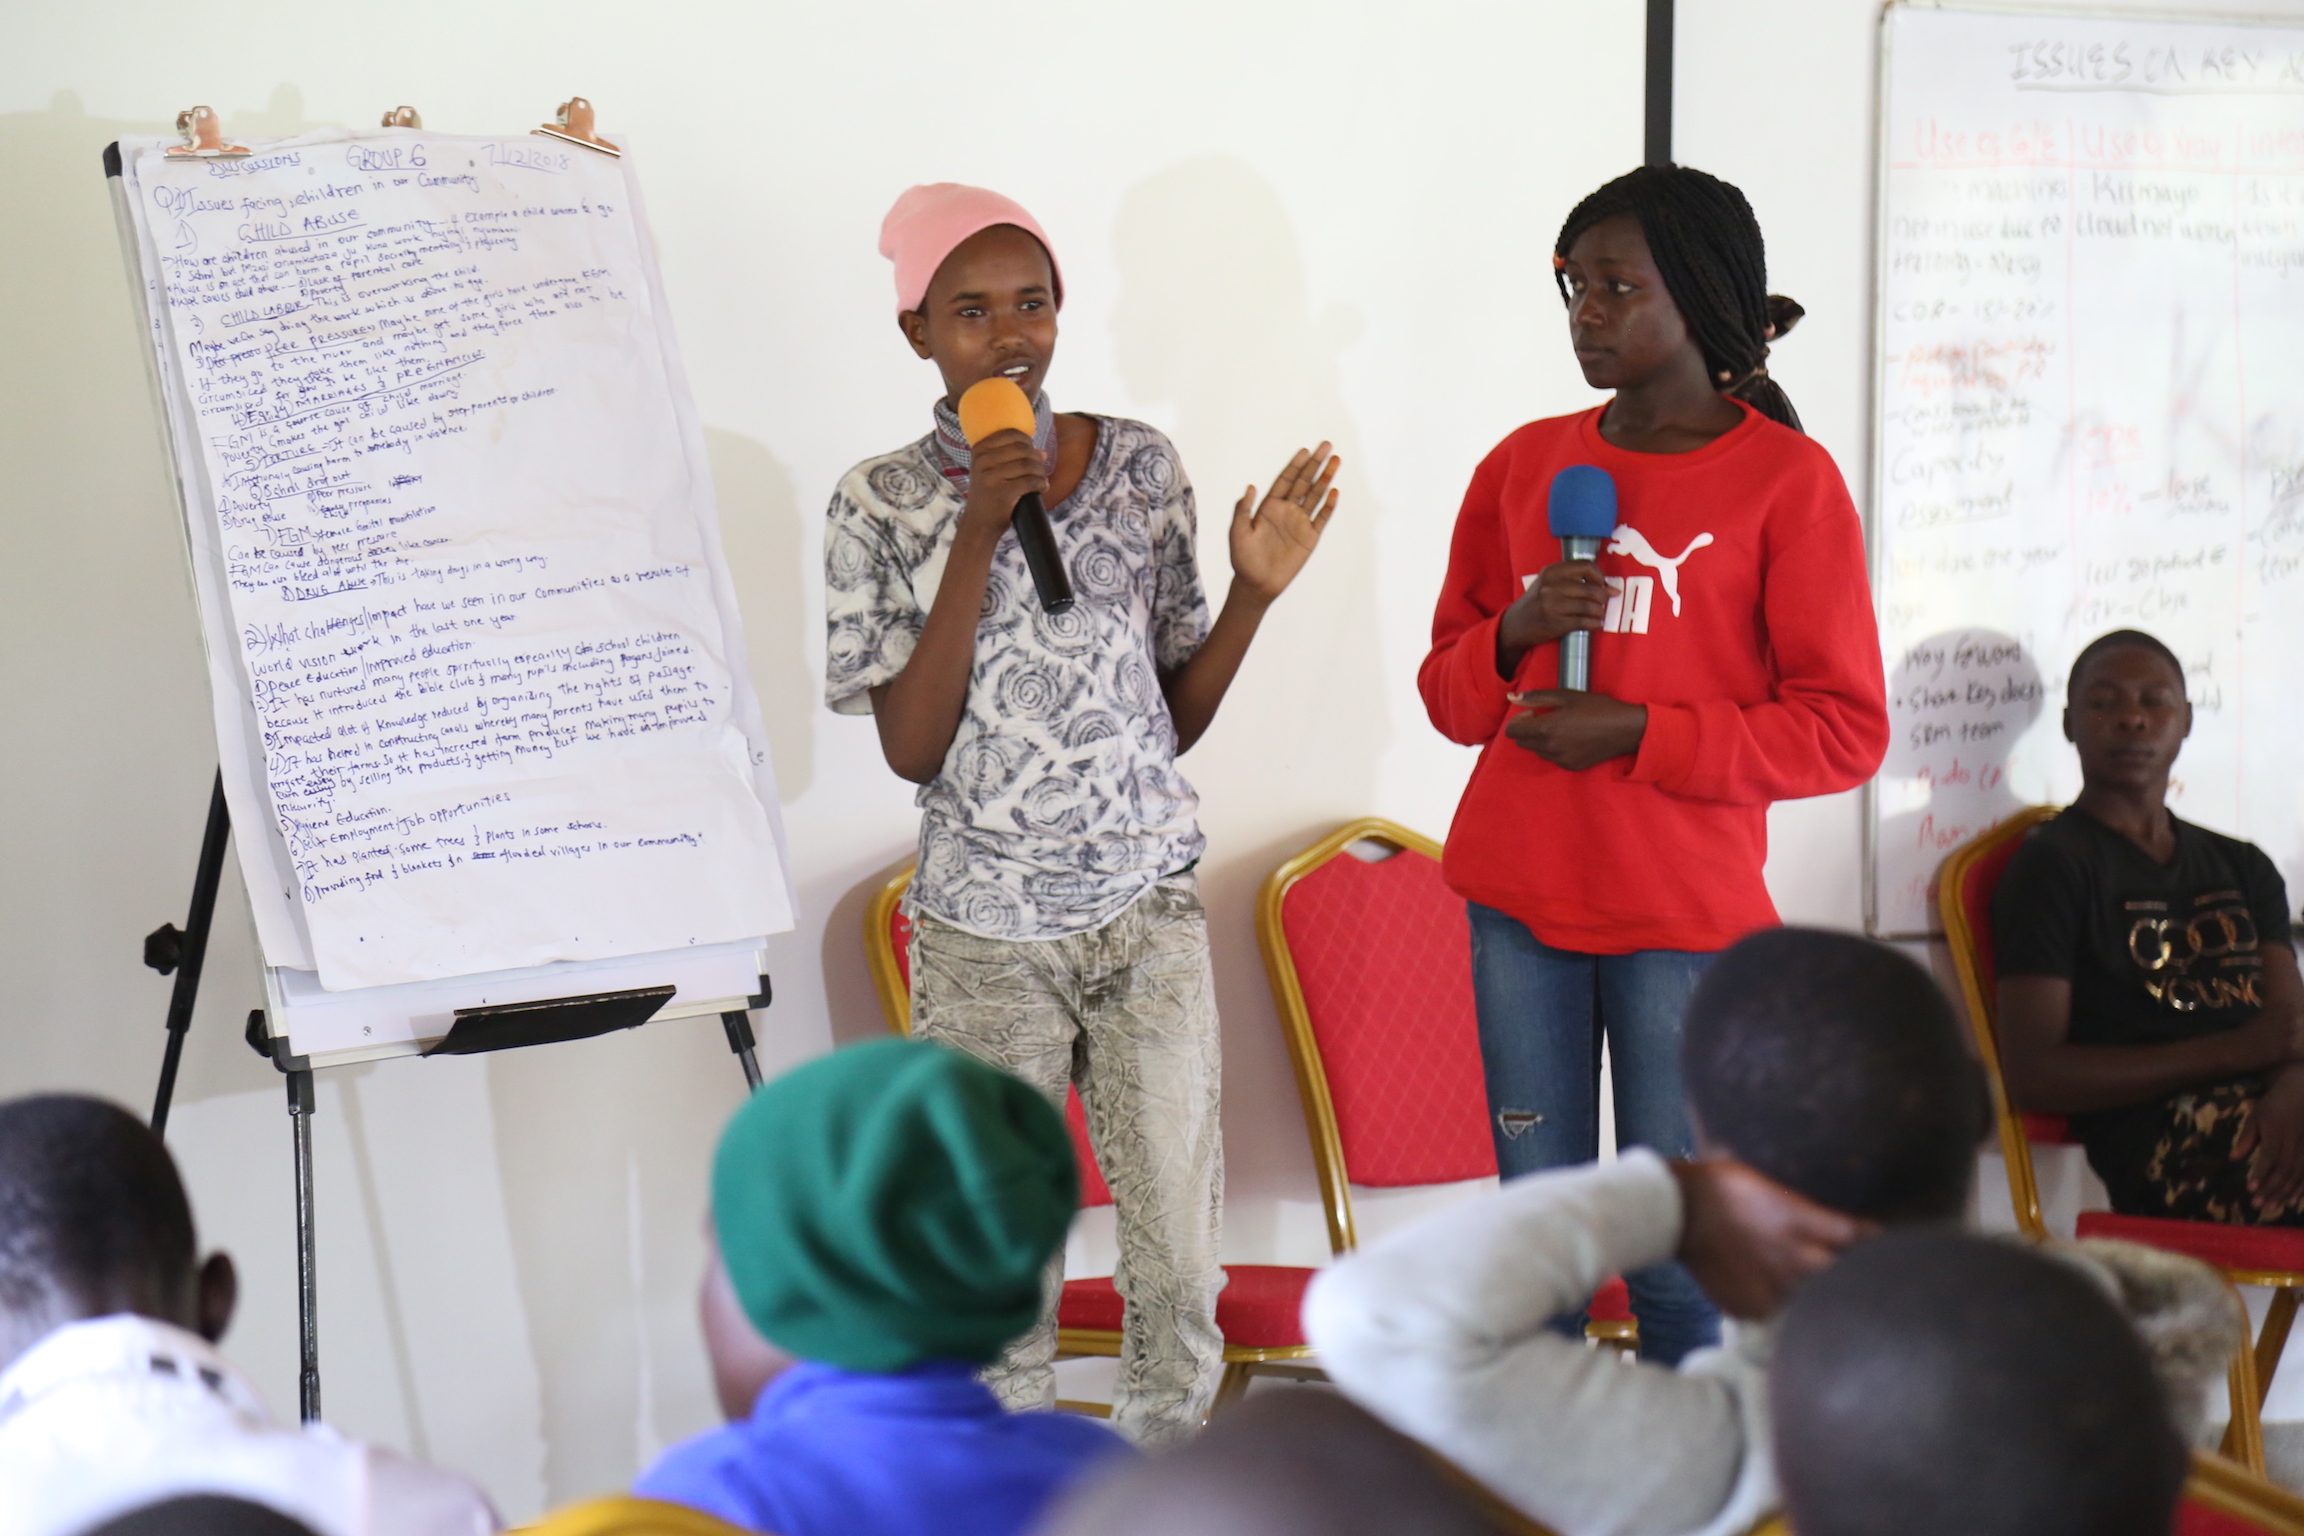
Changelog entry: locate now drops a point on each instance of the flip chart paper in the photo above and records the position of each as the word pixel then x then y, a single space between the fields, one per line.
pixel 466 540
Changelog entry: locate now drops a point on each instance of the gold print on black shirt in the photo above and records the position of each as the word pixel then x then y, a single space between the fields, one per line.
pixel 2205 960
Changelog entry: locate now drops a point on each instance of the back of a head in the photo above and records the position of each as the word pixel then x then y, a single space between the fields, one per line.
pixel 1290 1462
pixel 892 1203
pixel 93 1218
pixel 203 1514
pixel 1834 1066
pixel 1931 1382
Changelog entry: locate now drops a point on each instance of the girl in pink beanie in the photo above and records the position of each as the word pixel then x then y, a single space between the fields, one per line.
pixel 1057 928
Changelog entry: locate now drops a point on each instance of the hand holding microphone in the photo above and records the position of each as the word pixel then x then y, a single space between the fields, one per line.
pixel 1569 726
pixel 1007 477
pixel 1582 508
pixel 1569 598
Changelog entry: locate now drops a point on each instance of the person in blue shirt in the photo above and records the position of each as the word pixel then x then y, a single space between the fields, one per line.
pixel 882 1217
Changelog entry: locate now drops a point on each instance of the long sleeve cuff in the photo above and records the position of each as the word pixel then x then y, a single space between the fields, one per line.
pixel 1668 748
pixel 1441 1330
pixel 1502 1266
pixel 1478 699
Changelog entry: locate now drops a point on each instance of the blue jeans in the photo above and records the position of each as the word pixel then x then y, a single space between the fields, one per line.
pixel 1542 1013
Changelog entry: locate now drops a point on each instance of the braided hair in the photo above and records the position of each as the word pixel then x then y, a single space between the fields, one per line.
pixel 1708 249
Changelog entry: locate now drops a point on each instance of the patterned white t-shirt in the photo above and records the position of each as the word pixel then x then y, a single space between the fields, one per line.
pixel 1059 802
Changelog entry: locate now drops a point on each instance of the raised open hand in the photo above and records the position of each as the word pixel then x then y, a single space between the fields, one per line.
pixel 1271 543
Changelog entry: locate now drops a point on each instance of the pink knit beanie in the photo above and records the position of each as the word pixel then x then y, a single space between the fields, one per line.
pixel 929 222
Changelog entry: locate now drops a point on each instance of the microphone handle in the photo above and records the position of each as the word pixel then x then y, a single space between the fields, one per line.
pixel 1576 660
pixel 1576 645
pixel 1046 561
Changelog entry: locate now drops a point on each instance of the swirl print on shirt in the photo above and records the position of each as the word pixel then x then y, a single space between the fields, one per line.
pixel 1059 801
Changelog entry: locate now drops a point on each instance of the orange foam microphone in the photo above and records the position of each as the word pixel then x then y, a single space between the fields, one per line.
pixel 997 405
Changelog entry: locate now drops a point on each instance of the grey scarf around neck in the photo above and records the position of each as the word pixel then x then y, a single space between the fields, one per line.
pixel 952 444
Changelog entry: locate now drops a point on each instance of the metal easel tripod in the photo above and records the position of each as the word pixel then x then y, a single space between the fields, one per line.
pixel 182 951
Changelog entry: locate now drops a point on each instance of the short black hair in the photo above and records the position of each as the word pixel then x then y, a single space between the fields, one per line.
pixel 2118 639
pixel 203 1514
pixel 1834 1066
pixel 1292 1462
pixel 1932 1381
pixel 1707 247
pixel 91 1207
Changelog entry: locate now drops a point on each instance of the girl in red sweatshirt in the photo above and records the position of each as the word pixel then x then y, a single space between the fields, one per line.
pixel 1611 841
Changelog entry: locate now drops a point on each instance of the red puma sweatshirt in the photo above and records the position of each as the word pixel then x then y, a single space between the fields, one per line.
pixel 1740 613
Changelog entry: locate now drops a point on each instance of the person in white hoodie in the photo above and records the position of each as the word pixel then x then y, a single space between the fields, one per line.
pixel 1833 1095
pixel 112 1393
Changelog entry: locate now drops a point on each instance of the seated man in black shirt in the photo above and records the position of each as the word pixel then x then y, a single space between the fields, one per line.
pixel 2148 988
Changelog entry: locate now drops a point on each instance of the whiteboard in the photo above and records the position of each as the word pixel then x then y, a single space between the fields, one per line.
pixel 2089 413
pixel 483 715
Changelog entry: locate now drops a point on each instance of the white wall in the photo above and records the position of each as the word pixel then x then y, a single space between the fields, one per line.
pixel 1279 221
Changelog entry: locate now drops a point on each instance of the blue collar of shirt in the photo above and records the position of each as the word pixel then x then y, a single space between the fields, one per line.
pixel 944 1389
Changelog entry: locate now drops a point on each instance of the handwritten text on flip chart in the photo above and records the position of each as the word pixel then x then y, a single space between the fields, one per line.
pixel 2091 411
pixel 460 529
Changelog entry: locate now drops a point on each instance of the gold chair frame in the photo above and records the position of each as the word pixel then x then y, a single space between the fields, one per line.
pixel 1241 1361
pixel 1983 1011
pixel 2252 1368
pixel 2230 1488
pixel 1296 1017
pixel 1304 1046
pixel 621 1514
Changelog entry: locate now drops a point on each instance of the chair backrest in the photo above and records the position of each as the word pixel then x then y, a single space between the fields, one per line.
pixel 1370 962
pixel 2223 1498
pixel 888 947
pixel 1964 888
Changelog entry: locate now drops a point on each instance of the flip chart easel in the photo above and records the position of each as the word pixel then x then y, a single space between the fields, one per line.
pixel 389 269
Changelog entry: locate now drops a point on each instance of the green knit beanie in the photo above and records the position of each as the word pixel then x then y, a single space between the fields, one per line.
pixel 891 1203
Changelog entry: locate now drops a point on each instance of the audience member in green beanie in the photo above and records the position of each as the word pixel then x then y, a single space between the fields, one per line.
pixel 882 1217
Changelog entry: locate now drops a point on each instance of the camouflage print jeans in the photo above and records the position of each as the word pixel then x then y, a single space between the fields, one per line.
pixel 1128 1012
pixel 2200 1165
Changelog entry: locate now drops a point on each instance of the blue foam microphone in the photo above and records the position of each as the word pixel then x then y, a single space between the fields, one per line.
pixel 1582 508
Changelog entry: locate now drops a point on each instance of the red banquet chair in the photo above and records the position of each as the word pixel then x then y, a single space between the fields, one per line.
pixel 2223 1498
pixel 1256 1311
pixel 1369 956
pixel 2268 1256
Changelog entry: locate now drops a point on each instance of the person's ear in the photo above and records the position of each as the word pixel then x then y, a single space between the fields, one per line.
pixel 2187 736
pixel 743 1363
pixel 914 325
pixel 2066 717
pixel 219 1295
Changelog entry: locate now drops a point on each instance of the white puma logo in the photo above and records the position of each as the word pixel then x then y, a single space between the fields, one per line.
pixel 1627 540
